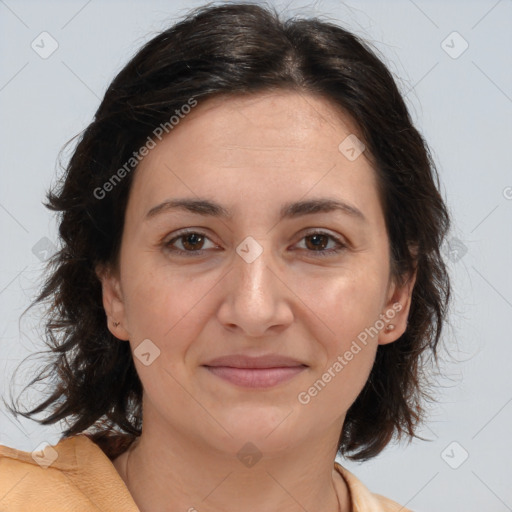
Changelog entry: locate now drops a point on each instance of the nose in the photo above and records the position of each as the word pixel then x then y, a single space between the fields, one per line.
pixel 256 298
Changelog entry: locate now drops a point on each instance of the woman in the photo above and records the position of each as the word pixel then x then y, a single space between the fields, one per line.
pixel 249 282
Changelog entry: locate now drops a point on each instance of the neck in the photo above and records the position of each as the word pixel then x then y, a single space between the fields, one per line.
pixel 163 468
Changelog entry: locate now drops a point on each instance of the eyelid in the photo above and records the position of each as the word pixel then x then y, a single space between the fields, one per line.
pixel 326 232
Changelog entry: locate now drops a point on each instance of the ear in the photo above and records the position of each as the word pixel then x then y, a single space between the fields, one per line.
pixel 396 310
pixel 113 302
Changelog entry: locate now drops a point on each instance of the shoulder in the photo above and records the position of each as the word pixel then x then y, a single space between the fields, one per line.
pixel 71 475
pixel 362 499
pixel 26 477
pixel 43 462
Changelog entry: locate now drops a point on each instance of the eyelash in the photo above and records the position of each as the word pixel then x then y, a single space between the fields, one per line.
pixel 321 253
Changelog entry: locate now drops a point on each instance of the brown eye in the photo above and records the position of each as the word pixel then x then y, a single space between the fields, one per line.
pixel 317 242
pixel 192 241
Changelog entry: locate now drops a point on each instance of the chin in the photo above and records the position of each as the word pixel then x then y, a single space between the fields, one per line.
pixel 270 428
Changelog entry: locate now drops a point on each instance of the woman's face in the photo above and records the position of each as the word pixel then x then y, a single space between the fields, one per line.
pixel 270 267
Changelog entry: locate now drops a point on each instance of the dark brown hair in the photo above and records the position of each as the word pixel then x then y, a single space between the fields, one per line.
pixel 238 49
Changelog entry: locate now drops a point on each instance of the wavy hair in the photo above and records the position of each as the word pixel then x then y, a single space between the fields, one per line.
pixel 237 49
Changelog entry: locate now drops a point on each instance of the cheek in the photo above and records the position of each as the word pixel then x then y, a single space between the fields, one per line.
pixel 345 302
pixel 165 307
pixel 335 388
pixel 347 308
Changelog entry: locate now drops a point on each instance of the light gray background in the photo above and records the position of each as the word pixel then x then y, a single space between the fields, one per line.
pixel 462 105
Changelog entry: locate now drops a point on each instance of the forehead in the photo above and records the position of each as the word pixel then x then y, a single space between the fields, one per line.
pixel 284 119
pixel 257 147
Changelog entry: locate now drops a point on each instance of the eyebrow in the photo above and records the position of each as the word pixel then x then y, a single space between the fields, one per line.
pixel 288 211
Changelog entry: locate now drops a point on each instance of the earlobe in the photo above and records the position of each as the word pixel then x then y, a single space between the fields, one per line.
pixel 397 310
pixel 113 303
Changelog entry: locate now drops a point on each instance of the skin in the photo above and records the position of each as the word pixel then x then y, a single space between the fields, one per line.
pixel 250 155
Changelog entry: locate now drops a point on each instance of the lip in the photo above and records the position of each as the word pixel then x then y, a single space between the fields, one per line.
pixel 255 372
